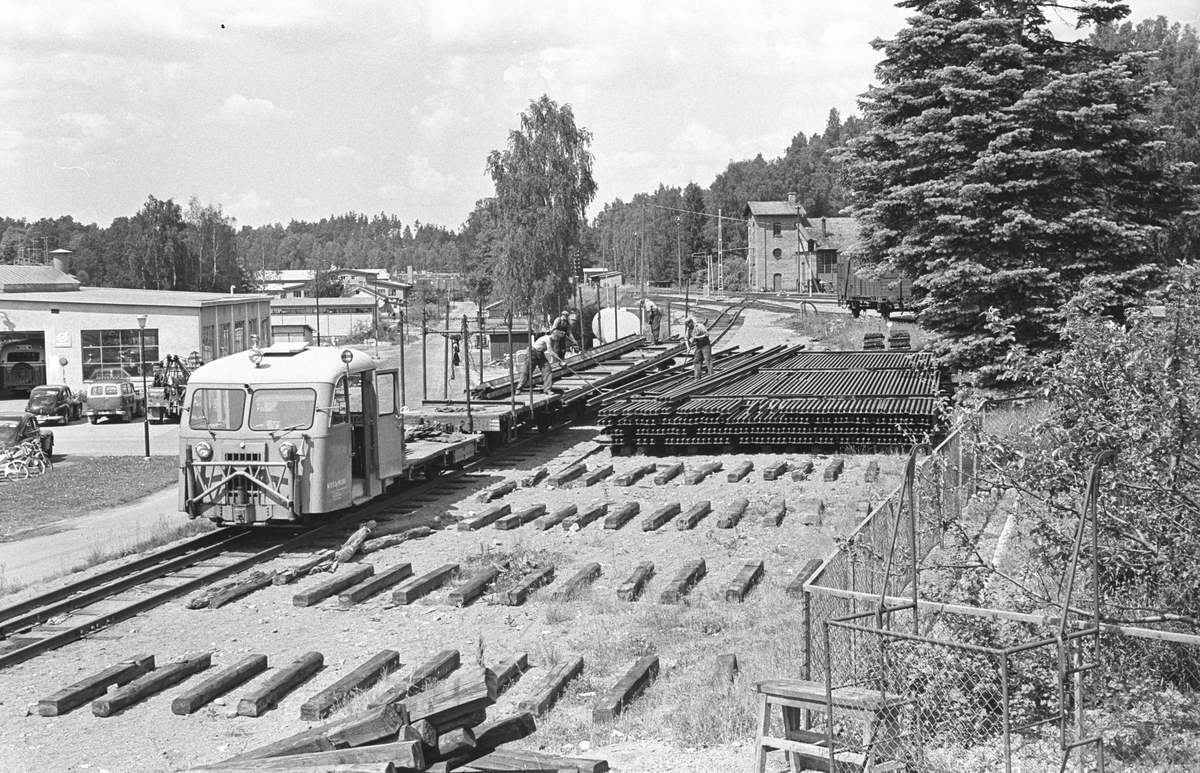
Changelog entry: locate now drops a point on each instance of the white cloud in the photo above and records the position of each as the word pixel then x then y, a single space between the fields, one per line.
pixel 246 206
pixel 10 143
pixel 704 141
pixel 89 124
pixel 247 111
pixel 339 153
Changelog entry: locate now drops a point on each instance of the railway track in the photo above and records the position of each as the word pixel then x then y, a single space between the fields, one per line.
pixel 78 609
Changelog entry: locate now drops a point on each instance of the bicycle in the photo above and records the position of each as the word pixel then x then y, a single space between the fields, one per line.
pixel 26 460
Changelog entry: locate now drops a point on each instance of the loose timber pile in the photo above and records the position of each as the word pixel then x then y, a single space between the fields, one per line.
pixel 784 397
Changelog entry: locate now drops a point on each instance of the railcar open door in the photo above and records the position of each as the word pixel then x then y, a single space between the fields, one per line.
pixel 364 436
pixel 391 425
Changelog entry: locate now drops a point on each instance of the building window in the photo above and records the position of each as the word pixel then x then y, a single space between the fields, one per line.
pixel 239 336
pixel 117 351
pixel 265 327
pixel 776 253
pixel 206 343
pixel 224 340
pixel 776 229
pixel 254 331
pixel 826 262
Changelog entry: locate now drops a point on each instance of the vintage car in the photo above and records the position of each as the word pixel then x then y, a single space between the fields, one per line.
pixel 18 428
pixel 115 397
pixel 54 402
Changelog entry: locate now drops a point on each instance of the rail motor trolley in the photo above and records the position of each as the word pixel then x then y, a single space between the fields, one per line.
pixel 283 433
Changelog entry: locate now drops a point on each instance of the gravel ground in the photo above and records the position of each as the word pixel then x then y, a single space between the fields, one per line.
pixel 148 737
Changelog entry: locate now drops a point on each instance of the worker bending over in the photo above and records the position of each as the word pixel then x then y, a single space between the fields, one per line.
pixel 653 317
pixel 701 347
pixel 541 354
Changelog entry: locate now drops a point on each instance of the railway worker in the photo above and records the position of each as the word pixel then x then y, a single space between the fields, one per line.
pixel 562 324
pixel 701 347
pixel 653 317
pixel 541 353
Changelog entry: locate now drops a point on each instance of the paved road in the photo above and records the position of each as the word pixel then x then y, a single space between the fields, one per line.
pixel 108 438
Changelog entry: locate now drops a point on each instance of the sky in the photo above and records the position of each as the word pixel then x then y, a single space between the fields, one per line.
pixel 300 109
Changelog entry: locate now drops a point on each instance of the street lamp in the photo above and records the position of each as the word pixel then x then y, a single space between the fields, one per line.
pixel 145 394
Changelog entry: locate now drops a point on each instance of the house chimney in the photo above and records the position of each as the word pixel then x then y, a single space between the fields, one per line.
pixel 791 198
pixel 824 230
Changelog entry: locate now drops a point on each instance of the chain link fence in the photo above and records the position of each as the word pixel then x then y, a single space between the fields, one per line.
pixel 918 680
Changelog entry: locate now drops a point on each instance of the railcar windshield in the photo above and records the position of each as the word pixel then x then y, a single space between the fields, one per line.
pixel 217 409
pixel 282 409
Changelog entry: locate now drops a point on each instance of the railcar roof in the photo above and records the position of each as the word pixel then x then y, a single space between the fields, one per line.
pixel 282 364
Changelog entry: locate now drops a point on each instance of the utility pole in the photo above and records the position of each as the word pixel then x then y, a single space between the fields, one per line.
pixel 678 252
pixel 643 251
pixel 720 255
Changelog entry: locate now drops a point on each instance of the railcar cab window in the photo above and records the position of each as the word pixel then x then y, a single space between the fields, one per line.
pixel 217 409
pixel 282 409
pixel 339 400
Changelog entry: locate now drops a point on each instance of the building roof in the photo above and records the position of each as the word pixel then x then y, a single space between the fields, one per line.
pixel 127 296
pixel 305 303
pixel 832 233
pixel 770 209
pixel 286 275
pixel 25 279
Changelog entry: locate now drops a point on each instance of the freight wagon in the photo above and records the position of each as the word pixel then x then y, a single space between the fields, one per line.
pixel 885 294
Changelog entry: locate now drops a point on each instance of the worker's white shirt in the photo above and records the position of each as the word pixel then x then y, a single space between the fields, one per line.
pixel 544 344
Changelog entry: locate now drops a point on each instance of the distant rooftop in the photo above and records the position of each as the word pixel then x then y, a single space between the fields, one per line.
pixel 124 296
pixel 26 279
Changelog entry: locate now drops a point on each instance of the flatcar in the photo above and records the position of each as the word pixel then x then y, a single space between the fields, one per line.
pixel 278 435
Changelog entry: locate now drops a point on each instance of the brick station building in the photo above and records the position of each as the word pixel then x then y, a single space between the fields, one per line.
pixel 790 252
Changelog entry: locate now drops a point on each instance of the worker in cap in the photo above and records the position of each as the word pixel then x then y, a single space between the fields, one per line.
pixel 700 345
pixel 653 317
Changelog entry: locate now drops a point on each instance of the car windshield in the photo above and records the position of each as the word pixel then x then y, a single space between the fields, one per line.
pixel 8 431
pixel 217 409
pixel 275 409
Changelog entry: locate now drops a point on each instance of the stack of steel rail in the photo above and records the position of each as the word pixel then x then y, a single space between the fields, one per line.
pixel 784 396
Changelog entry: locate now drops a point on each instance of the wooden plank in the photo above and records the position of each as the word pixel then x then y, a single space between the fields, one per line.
pixel 509 670
pixel 668 474
pixel 551 687
pixel 422 730
pixel 323 703
pixel 622 515
pixel 463 693
pixel 254 766
pixel 775 470
pixel 215 598
pixel 795 588
pixel 660 516
pixel 474 587
pixel 535 477
pixel 214 687
pixel 467 718
pixel 561 479
pixel 336 584
pixel 739 471
pixel 726 669
pixel 744 581
pixel 555 518
pixel 294 573
pixel 812 512
pixel 372 725
pixel 526 760
pixel 383 542
pixel 701 473
pixel 687 577
pixel 486 518
pixel 457 740
pixel 495 492
pixel 577 582
pixel 692 517
pixel 585 516
pixel 593 477
pixel 802 470
pixel 520 518
pixel 79 693
pixel 634 475
pixel 421 586
pixel 733 513
pixel 403 755
pixel 632 588
pixel 517 595
pixel 438 667
pixel 506 730
pixel 151 683
pixel 776 510
pixel 275 687
pixel 629 687
pixel 376 584
pixel 834 469
pixel 871 474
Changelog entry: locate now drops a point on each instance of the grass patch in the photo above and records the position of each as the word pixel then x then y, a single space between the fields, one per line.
pixel 80 487
pixel 842 332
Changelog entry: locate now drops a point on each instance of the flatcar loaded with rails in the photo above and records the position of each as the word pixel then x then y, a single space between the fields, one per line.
pixel 276 436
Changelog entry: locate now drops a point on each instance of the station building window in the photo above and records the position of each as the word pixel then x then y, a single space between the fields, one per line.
pixel 776 253
pixel 223 351
pixel 239 336
pixel 826 262
pixel 206 342
pixel 776 229
pixel 116 351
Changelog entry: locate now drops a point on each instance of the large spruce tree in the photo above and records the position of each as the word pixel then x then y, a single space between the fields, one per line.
pixel 1009 174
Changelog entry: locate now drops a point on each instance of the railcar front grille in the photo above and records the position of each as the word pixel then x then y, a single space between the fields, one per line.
pixel 240 456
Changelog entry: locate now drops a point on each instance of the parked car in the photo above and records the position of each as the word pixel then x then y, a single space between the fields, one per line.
pixel 55 401
pixel 115 397
pixel 17 428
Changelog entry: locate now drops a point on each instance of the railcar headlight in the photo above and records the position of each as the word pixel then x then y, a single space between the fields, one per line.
pixel 256 356
pixel 203 451
pixel 287 451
